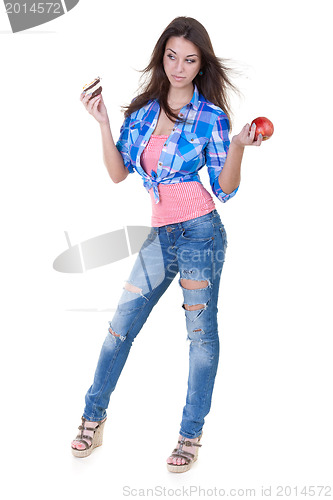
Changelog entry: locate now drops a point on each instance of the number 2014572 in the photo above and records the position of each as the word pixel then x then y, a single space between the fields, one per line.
pixel 35 8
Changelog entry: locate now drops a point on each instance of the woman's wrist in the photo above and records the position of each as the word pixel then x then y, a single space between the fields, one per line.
pixel 236 142
pixel 105 123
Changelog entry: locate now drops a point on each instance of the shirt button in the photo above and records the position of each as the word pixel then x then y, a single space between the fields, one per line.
pixel 192 139
pixel 169 229
pixel 160 163
pixel 181 114
pixel 165 144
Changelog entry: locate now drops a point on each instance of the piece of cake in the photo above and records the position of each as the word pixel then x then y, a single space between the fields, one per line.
pixel 94 88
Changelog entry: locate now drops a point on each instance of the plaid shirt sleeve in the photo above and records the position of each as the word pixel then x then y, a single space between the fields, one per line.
pixel 122 145
pixel 216 154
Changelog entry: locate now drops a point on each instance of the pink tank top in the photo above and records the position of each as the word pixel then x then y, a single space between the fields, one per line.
pixel 178 202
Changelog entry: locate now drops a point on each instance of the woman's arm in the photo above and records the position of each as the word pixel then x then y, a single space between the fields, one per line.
pixel 113 159
pixel 229 178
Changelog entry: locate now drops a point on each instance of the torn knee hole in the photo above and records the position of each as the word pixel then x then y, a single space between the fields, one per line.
pixel 193 284
pixel 196 307
pixel 113 333
pixel 132 288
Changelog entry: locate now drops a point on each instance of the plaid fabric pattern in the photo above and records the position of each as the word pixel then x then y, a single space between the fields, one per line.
pixel 202 139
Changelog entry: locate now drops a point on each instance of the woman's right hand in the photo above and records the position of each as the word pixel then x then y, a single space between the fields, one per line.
pixel 95 107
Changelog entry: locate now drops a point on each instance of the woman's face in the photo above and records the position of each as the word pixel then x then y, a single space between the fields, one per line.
pixel 181 61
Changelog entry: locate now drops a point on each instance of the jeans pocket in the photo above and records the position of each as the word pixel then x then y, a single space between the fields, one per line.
pixel 200 231
pixel 224 237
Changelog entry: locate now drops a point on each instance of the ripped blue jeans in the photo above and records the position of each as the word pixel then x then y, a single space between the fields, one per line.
pixel 196 250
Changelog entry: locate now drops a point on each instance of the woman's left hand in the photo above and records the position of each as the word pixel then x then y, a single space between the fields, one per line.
pixel 246 136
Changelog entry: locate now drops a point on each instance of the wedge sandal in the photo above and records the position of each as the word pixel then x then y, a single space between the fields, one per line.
pixel 189 458
pixel 91 442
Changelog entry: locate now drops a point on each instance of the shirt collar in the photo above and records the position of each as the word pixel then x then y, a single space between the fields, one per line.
pixel 195 98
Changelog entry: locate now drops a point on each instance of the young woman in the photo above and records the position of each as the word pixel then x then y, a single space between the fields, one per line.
pixel 179 123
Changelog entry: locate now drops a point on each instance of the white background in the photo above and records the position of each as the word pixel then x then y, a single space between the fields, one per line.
pixel 271 418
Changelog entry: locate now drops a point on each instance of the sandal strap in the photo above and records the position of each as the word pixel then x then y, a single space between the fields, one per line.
pixel 189 443
pixel 80 436
pixel 84 421
pixel 83 428
pixel 183 455
pixel 91 438
pixel 180 453
pixel 186 455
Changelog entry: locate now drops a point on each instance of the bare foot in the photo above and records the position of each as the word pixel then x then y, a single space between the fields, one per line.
pixel 188 449
pixel 86 432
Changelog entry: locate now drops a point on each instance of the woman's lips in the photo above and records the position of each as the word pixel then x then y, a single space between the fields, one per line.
pixel 178 78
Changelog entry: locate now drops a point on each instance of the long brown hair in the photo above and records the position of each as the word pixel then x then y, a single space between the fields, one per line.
pixel 213 84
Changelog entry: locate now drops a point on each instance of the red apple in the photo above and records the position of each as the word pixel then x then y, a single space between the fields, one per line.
pixel 264 127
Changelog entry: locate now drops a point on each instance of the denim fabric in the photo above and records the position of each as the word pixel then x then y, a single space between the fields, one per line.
pixel 196 250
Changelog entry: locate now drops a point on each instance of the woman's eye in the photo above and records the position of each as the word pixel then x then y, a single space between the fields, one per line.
pixel 172 57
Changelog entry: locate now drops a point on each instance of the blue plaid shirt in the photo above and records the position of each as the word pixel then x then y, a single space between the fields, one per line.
pixel 202 139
